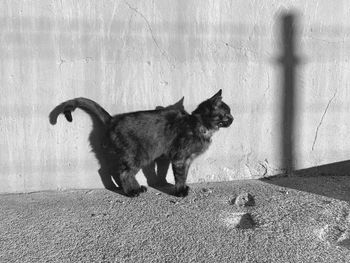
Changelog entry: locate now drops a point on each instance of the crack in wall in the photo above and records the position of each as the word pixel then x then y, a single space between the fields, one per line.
pixel 162 51
pixel 110 24
pixel 264 166
pixel 124 32
pixel 62 61
pixel 321 121
pixel 244 50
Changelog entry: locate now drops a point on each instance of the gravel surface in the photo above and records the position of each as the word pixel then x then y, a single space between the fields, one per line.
pixel 288 224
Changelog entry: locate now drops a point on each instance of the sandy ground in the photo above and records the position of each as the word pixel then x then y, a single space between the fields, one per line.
pixel 295 220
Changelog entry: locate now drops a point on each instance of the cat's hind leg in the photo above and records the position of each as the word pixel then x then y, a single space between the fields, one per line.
pixel 129 183
pixel 123 171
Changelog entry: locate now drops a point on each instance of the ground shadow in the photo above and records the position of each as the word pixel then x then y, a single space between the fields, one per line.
pixel 155 174
pixel 331 180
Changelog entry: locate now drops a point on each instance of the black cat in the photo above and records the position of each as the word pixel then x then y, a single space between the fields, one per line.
pixel 133 140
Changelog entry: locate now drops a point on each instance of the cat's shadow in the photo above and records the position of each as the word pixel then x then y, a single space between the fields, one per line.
pixel 155 172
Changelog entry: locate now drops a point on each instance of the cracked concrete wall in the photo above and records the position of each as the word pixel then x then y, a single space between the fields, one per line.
pixel 135 55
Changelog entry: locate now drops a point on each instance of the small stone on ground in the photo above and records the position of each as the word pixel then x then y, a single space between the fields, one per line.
pixel 244 199
pixel 330 233
pixel 344 239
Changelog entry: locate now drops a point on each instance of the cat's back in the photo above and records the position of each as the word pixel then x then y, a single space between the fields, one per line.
pixel 152 123
pixel 147 134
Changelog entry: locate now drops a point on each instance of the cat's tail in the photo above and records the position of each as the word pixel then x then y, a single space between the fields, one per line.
pixel 89 106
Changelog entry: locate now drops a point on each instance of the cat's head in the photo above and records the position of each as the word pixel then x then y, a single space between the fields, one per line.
pixel 214 113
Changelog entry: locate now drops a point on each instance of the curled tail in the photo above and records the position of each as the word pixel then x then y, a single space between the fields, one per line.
pixel 85 104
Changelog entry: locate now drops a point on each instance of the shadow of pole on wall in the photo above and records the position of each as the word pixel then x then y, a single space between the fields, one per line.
pixel 330 180
pixel 288 61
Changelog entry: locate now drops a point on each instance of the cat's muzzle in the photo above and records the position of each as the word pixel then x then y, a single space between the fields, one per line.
pixel 226 122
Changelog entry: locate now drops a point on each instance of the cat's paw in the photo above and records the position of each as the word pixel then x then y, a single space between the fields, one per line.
pixel 143 189
pixel 133 193
pixel 136 192
pixel 182 192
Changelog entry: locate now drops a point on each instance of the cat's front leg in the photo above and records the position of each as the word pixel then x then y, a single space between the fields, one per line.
pixel 180 169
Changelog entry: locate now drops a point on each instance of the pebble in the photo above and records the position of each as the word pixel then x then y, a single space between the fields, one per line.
pixel 330 233
pixel 333 234
pixel 244 199
pixel 206 190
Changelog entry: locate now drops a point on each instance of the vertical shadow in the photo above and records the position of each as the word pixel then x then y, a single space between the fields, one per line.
pixel 288 61
pixel 330 180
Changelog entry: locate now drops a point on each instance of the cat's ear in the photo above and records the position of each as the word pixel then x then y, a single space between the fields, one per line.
pixel 179 104
pixel 217 97
pixel 176 106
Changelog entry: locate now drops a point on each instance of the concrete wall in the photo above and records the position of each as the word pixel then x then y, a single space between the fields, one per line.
pixel 134 55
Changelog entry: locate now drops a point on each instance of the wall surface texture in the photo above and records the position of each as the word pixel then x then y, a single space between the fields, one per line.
pixel 136 55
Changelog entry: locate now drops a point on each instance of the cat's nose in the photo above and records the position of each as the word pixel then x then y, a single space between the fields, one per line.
pixel 227 121
pixel 230 118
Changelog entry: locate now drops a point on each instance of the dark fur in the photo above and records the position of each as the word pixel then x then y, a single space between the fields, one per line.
pixel 133 140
